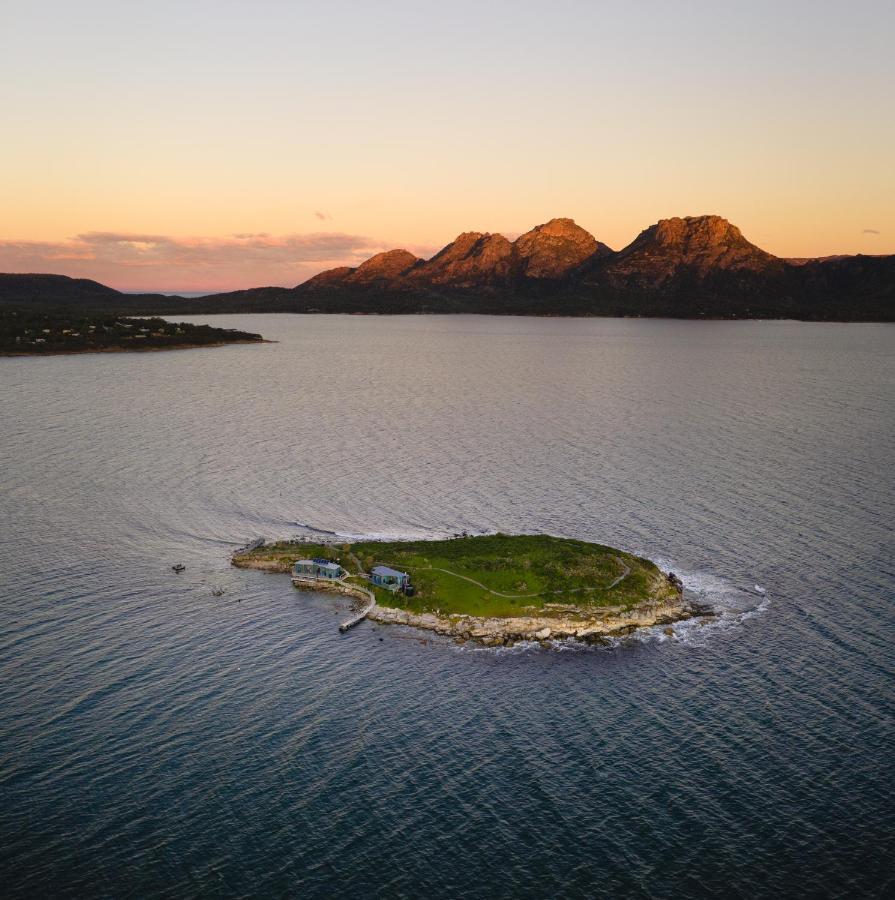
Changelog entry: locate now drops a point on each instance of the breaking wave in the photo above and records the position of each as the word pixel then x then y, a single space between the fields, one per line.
pixel 730 606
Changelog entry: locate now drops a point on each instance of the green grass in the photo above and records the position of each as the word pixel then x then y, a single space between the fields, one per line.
pixel 535 570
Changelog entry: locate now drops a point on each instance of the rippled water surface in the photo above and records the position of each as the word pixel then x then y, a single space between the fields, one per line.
pixel 156 740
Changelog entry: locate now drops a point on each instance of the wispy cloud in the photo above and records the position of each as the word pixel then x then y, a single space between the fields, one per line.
pixel 870 231
pixel 134 261
pixel 323 216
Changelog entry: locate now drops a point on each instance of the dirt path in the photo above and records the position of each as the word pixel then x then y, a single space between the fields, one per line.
pixel 482 586
pixel 618 580
pixel 621 577
pixel 356 561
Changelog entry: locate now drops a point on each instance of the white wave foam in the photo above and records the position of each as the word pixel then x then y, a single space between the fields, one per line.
pixel 515 650
pixel 421 534
pixel 731 606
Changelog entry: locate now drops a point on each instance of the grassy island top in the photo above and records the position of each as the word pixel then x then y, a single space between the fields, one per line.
pixel 488 575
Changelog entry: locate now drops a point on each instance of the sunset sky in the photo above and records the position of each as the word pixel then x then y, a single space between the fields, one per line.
pixel 199 145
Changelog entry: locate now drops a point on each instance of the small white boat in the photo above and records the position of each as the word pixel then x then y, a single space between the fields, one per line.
pixel 760 590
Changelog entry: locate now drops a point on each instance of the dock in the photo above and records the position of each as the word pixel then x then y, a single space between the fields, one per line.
pixel 356 620
pixel 340 587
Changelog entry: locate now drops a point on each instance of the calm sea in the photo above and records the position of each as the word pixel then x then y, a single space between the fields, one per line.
pixel 159 741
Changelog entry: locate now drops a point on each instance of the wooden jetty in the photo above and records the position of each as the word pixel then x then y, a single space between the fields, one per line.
pixel 356 620
pixel 339 586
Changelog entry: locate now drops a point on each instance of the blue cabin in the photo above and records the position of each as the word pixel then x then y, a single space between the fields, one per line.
pixel 318 568
pixel 388 578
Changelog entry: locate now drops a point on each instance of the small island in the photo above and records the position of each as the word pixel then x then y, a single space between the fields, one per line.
pixel 494 590
pixel 26 332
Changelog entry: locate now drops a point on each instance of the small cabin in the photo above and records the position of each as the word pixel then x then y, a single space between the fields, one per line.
pixel 390 579
pixel 324 569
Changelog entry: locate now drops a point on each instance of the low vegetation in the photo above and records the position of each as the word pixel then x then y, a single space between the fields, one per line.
pixel 489 575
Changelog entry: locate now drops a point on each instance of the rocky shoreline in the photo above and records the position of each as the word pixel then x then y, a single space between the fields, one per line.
pixel 591 627
pixel 505 632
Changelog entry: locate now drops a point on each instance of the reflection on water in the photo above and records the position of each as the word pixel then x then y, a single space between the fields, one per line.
pixel 158 740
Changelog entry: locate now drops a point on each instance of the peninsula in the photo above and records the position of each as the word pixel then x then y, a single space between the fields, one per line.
pixel 494 590
pixel 27 332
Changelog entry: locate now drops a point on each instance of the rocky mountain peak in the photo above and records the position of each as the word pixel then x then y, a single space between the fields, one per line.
pixel 472 258
pixel 555 248
pixel 561 227
pixel 699 245
pixel 672 254
pixel 389 264
pixel 703 231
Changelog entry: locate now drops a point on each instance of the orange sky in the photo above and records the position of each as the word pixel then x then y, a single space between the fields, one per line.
pixel 224 145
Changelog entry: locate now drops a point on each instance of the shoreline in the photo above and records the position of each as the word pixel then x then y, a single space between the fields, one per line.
pixel 132 349
pixel 524 315
pixel 504 631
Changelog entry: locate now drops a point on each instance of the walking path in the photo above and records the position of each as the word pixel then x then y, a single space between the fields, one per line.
pixel 621 577
pixel 479 584
pixel 484 587
pixel 356 561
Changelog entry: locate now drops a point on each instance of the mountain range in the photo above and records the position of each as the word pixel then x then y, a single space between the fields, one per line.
pixel 693 267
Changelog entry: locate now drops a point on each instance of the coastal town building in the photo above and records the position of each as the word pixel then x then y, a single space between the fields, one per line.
pixel 323 569
pixel 388 578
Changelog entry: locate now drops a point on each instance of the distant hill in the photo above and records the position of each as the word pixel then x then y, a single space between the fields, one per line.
pixel 693 267
pixel 59 292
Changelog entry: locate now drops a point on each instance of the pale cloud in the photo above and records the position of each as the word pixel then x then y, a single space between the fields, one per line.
pixel 870 231
pixel 133 261
pixel 323 216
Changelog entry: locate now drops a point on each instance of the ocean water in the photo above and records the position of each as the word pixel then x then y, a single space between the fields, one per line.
pixel 159 741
